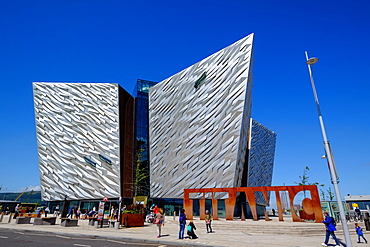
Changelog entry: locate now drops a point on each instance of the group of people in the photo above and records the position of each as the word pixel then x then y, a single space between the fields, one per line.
pixel 74 211
pixel 190 229
pixel 191 226
pixel 331 228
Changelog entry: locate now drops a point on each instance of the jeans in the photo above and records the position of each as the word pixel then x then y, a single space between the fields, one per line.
pixel 159 226
pixel 209 228
pixel 359 236
pixel 328 233
pixel 181 232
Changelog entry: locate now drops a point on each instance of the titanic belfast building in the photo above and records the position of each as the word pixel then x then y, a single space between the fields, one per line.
pixel 192 130
pixel 201 133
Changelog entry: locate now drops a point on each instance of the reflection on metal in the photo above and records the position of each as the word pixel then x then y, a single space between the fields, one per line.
pixel 310 205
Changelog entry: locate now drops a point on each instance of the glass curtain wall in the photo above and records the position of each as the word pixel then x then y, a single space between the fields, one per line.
pixel 141 166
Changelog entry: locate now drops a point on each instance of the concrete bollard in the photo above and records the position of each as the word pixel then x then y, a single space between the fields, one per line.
pixel 10 218
pixel 116 225
pixel 1 217
pixel 96 224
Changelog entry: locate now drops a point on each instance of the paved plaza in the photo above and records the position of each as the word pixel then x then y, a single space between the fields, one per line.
pixel 226 233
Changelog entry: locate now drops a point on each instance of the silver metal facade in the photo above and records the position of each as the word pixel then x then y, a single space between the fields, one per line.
pixel 199 121
pixel 77 127
pixel 261 158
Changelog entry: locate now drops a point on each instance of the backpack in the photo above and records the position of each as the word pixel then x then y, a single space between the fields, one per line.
pixel 333 221
pixel 189 228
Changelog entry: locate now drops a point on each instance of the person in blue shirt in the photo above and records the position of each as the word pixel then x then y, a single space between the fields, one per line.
pixel 71 211
pixel 359 233
pixel 182 222
pixel 330 229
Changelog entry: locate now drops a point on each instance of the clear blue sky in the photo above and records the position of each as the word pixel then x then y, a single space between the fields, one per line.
pixel 121 41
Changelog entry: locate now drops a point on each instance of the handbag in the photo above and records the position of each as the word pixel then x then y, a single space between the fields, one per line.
pixel 157 221
pixel 208 222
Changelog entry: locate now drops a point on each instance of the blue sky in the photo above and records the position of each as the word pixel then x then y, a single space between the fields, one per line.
pixel 122 41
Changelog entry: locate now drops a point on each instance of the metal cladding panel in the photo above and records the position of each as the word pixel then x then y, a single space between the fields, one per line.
pixel 199 122
pixel 261 158
pixel 77 128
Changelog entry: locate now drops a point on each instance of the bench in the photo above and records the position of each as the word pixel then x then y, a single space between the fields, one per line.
pixel 23 220
pixel 66 222
pixel 45 221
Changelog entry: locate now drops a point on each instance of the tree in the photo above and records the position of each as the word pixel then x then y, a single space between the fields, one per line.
pixel 304 179
pixel 328 194
pixel 140 173
pixel 322 193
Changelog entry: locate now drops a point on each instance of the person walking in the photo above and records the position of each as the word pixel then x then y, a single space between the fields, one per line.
pixel 159 220
pixel 56 211
pixel 330 229
pixel 190 232
pixel 71 211
pixel 182 222
pixel 46 211
pixel 359 233
pixel 17 211
pixel 208 219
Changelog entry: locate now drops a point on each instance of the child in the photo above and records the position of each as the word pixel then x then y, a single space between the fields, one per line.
pixel 191 228
pixel 359 233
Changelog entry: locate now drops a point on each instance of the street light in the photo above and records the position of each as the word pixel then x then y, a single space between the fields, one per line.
pixel 329 155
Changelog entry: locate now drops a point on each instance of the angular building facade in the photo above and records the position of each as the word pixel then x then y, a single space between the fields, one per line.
pixel 200 124
pixel 192 130
pixel 85 140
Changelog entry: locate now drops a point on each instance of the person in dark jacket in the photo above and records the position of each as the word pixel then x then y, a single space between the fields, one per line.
pixel 182 222
pixel 190 231
pixel 330 229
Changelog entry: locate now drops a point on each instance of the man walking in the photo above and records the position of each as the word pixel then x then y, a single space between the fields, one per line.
pixel 330 229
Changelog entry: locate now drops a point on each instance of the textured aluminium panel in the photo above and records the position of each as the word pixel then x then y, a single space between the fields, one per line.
pixel 199 122
pixel 77 128
pixel 261 158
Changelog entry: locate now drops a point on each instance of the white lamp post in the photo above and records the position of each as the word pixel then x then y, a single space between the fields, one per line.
pixel 329 155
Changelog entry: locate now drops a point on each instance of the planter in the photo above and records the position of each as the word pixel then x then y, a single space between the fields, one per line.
pixel 29 215
pixel 304 216
pixel 129 220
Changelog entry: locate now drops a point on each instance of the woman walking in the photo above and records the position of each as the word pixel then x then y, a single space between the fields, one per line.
pixel 208 219
pixel 159 220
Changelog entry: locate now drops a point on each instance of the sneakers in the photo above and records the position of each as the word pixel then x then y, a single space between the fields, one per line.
pixel 323 244
pixel 158 236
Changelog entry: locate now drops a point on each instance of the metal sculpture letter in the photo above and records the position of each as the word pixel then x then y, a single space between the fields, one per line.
pixel 310 205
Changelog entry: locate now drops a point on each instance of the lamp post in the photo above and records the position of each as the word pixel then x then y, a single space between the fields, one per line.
pixel 329 155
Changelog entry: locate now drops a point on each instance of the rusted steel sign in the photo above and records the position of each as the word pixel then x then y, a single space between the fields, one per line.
pixel 310 205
